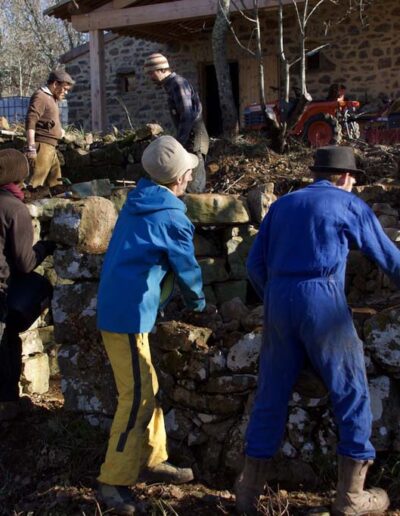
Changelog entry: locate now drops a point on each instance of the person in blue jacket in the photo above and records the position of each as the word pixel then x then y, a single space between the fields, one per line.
pixel 297 266
pixel 152 239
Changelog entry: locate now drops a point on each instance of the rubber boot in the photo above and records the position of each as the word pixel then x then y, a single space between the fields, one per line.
pixel 250 485
pixel 167 473
pixel 351 498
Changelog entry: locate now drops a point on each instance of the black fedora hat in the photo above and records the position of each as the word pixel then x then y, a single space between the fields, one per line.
pixel 335 159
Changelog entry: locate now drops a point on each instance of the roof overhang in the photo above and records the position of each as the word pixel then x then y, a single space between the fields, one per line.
pixel 161 20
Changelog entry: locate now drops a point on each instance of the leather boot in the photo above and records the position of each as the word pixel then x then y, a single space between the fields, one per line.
pixel 351 498
pixel 166 472
pixel 250 485
pixel 117 498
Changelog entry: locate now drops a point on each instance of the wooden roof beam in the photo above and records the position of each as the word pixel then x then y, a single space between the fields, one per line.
pixel 177 10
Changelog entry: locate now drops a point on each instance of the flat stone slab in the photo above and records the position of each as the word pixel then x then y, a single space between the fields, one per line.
pixel 216 209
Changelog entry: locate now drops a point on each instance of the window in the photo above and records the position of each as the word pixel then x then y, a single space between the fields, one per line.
pixel 126 80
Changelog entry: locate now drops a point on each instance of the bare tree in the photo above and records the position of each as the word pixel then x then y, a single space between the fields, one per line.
pixel 30 44
pixel 230 122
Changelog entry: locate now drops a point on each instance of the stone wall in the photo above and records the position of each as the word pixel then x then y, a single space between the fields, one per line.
pixel 366 57
pixel 208 367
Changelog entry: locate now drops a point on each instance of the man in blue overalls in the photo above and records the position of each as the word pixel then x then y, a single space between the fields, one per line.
pixel 297 266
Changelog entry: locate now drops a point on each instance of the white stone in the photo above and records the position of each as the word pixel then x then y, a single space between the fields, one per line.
pixel 243 356
pixel 36 374
pixel 379 389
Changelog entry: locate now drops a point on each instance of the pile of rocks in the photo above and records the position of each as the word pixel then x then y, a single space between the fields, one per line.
pixel 208 367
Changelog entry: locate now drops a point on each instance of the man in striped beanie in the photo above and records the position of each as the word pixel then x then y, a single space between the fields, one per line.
pixel 186 112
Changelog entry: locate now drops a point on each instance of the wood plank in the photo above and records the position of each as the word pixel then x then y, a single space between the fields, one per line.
pixel 177 10
pixel 97 75
pixel 121 4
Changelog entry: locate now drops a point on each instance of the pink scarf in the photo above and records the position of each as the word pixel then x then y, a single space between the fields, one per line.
pixel 14 189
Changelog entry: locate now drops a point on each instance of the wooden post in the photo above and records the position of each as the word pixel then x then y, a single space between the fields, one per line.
pixel 97 80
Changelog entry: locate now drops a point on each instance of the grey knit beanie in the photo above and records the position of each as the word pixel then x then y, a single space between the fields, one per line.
pixel 13 166
pixel 155 61
pixel 165 160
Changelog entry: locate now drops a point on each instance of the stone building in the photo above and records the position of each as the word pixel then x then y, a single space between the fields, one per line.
pixel 361 52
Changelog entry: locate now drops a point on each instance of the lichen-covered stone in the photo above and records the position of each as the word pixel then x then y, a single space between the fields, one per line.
pixel 173 335
pixel 230 383
pixel 71 264
pixel 213 404
pixel 86 225
pixel 75 321
pixel 299 427
pixel 43 209
pixel 243 356
pixel 382 339
pixel 215 209
pixel 177 424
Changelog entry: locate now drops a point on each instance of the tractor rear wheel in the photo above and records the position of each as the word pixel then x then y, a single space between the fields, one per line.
pixel 322 129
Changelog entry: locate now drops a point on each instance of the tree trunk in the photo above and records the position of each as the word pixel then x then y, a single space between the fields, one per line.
pixel 230 123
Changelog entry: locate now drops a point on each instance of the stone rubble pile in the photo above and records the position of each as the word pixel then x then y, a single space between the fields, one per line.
pixel 208 367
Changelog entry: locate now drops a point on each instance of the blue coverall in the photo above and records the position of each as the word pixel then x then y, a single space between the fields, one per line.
pixel 297 266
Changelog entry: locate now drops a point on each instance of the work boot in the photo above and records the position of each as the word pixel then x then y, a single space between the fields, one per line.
pixel 9 410
pixel 351 498
pixel 117 498
pixel 250 485
pixel 167 473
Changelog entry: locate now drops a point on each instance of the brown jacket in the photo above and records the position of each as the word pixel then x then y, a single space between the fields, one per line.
pixel 16 239
pixel 43 117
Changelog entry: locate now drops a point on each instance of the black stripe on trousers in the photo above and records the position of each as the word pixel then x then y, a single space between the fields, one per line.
pixel 137 393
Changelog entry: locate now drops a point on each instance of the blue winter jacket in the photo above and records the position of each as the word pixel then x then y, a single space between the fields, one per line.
pixel 307 234
pixel 152 237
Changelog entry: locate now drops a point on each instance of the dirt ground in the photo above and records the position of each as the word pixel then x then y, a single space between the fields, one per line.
pixel 49 460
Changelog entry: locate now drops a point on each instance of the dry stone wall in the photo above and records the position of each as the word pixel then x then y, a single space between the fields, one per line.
pixel 208 367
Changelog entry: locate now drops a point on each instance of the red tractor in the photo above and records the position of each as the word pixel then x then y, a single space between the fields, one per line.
pixel 322 122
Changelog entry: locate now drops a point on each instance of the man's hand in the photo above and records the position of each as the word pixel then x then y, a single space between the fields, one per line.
pixel 31 155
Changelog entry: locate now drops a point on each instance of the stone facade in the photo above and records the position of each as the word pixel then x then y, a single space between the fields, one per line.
pixel 366 57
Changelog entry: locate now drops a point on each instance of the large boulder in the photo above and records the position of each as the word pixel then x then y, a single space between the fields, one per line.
pixel 216 209
pixel 86 224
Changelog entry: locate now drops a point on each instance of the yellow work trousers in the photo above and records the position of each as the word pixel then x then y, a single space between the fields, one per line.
pixel 47 169
pixel 137 436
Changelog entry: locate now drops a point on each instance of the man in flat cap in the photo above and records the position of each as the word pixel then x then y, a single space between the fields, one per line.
pixel 18 256
pixel 186 112
pixel 43 129
pixel 297 266
pixel 152 243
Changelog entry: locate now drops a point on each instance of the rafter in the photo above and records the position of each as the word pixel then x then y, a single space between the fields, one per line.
pixel 175 11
